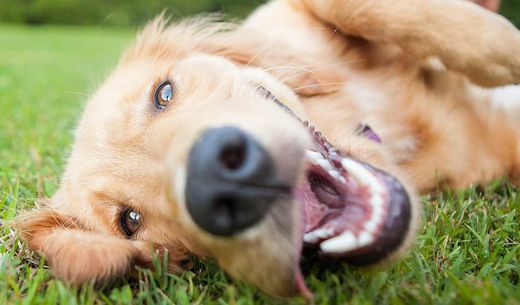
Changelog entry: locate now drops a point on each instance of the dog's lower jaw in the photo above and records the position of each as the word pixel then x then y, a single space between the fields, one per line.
pixel 267 256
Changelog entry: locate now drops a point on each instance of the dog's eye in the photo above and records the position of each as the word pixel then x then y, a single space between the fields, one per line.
pixel 130 221
pixel 163 95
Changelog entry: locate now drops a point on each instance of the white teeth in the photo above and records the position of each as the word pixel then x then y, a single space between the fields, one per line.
pixel 365 239
pixel 362 175
pixel 324 233
pixel 326 165
pixel 317 159
pixel 365 178
pixel 335 174
pixel 371 225
pixel 310 238
pixel 377 213
pixel 376 200
pixel 344 242
pixel 314 236
pixel 348 241
pixel 313 156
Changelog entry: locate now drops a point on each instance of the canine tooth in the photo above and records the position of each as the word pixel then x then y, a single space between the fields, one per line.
pixel 335 174
pixel 323 233
pixel 310 238
pixel 316 235
pixel 362 175
pixel 344 242
pixel 357 171
pixel 313 156
pixel 365 238
pixel 325 164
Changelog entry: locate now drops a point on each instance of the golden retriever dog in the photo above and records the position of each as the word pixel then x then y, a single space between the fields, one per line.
pixel 312 125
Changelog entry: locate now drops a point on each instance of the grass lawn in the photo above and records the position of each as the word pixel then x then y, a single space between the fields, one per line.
pixel 467 253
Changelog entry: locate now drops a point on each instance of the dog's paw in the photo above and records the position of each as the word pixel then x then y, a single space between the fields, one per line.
pixel 489 52
pixel 466 37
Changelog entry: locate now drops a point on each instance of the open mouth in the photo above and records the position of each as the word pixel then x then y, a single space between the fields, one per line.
pixel 351 211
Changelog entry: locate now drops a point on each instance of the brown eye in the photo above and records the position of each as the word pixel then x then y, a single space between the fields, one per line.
pixel 130 222
pixel 163 95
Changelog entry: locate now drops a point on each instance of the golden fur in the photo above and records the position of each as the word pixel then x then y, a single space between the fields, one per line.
pixel 414 70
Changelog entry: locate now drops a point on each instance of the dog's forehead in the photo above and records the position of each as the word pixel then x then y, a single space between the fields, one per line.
pixel 206 62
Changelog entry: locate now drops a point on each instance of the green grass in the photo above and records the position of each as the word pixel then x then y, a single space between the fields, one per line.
pixel 467 253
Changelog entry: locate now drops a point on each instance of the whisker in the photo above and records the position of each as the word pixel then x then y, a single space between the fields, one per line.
pixel 320 85
pixel 290 67
pixel 255 56
pixel 280 76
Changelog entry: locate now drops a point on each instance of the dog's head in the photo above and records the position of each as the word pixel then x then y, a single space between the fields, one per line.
pixel 189 149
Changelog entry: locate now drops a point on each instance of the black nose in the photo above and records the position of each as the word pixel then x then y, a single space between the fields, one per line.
pixel 231 181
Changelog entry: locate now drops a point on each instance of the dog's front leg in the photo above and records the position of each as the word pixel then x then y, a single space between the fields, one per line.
pixel 466 37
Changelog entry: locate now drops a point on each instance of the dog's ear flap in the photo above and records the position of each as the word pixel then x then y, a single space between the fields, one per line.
pixel 75 254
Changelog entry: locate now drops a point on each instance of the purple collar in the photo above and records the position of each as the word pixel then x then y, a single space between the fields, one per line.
pixel 366 131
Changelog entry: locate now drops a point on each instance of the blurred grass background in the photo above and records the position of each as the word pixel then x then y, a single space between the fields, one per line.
pixel 468 251
pixel 113 12
pixel 511 9
pixel 136 12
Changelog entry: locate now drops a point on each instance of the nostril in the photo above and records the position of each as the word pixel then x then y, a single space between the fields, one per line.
pixel 233 156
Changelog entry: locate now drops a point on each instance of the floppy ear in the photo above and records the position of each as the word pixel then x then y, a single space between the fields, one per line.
pixel 73 253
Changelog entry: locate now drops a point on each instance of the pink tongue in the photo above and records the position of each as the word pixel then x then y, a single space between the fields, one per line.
pixel 302 287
